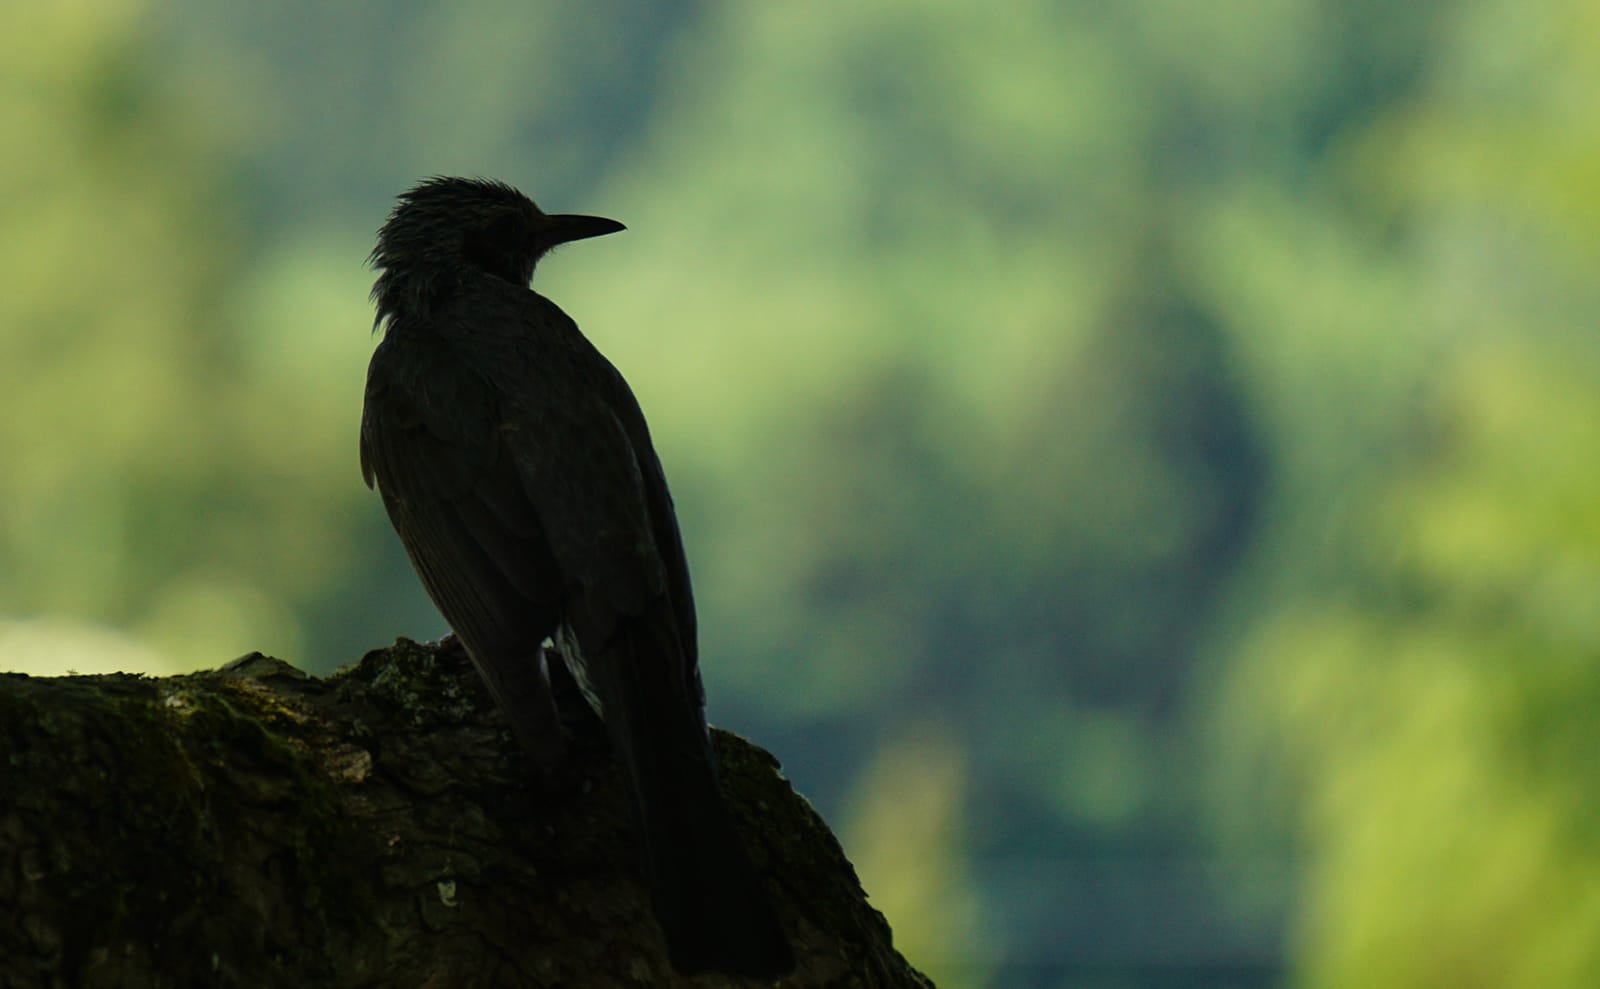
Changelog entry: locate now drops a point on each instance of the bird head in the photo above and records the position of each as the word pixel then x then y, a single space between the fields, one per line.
pixel 446 228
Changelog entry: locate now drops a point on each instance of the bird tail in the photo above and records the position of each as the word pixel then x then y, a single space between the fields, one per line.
pixel 707 896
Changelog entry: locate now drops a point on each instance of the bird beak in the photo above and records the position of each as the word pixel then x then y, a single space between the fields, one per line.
pixel 563 227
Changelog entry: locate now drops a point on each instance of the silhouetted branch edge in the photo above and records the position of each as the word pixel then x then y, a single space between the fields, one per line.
pixel 256 826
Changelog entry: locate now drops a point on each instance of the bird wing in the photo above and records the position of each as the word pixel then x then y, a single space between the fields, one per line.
pixel 581 474
pixel 432 445
pixel 677 564
pixel 591 471
pixel 664 528
pixel 514 474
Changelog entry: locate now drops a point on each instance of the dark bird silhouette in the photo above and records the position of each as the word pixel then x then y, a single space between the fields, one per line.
pixel 518 471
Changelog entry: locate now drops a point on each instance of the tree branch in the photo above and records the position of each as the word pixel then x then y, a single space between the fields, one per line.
pixel 257 827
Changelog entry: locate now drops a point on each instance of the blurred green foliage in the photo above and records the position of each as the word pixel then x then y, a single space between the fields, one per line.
pixel 1137 460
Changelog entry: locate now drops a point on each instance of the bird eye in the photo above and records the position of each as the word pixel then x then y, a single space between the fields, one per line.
pixel 496 245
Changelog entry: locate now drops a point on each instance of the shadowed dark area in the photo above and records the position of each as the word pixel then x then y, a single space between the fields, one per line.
pixel 257 827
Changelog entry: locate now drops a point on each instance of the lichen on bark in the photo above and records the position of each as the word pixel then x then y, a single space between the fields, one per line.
pixel 255 826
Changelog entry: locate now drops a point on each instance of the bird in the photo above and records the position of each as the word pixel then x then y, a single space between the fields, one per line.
pixel 518 471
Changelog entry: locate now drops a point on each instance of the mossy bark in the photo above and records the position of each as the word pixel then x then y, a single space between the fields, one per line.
pixel 257 827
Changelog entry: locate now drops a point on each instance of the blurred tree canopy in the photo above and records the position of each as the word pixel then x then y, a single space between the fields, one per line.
pixel 1136 460
pixel 1430 696
pixel 162 475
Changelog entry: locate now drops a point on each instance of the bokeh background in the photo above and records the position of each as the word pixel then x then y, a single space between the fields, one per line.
pixel 1138 459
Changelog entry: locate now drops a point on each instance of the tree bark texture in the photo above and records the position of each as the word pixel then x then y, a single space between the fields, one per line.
pixel 258 827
